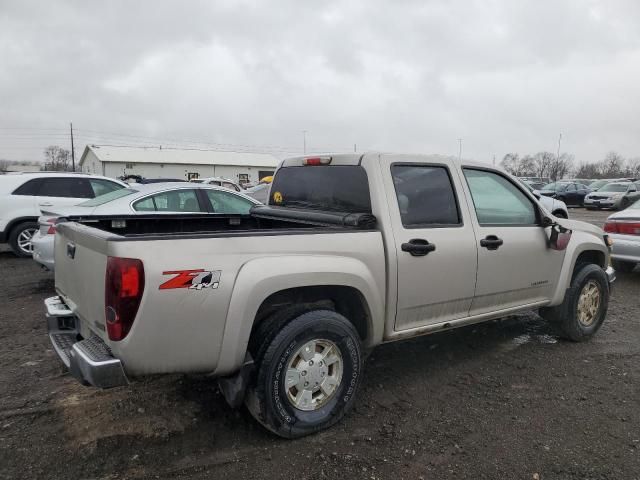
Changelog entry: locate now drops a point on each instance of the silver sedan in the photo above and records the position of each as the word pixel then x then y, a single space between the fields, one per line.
pixel 624 229
pixel 157 198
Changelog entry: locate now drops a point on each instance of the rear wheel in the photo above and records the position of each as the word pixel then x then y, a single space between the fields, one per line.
pixel 20 238
pixel 622 266
pixel 585 304
pixel 308 372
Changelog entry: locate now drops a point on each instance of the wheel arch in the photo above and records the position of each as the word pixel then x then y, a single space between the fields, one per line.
pixel 17 221
pixel 586 251
pixel 263 285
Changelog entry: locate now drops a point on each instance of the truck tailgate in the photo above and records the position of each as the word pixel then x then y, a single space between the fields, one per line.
pixel 81 259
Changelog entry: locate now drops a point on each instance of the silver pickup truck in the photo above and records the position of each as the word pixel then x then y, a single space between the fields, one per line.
pixel 283 304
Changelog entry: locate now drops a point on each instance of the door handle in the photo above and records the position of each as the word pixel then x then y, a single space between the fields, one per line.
pixel 418 247
pixel 45 204
pixel 491 242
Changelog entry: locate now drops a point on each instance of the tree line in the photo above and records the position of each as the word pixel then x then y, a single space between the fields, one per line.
pixel 548 165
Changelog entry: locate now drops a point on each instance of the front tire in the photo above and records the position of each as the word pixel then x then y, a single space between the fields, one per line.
pixel 20 239
pixel 585 304
pixel 308 373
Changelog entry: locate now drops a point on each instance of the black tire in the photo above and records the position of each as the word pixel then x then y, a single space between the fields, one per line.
pixel 267 396
pixel 565 315
pixel 560 214
pixel 15 238
pixel 622 266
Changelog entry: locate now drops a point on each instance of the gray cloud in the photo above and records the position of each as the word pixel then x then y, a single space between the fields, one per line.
pixel 403 76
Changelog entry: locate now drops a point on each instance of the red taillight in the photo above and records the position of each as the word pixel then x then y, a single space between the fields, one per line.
pixel 310 161
pixel 622 228
pixel 52 225
pixel 124 285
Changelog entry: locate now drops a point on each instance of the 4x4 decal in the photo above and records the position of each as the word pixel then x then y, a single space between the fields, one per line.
pixel 192 279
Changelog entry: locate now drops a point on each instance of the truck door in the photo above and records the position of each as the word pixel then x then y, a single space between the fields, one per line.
pixel 515 266
pixel 435 246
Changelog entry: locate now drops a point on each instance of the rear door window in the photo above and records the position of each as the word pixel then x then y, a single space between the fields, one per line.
pixel 343 188
pixel 425 195
pixel 65 187
pixel 172 201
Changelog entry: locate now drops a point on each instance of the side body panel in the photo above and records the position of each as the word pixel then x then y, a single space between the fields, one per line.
pixel 185 330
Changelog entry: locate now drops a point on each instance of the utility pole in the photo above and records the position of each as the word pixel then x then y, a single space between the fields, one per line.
pixel 304 141
pixel 73 152
pixel 557 159
pixel 459 148
pixel 354 148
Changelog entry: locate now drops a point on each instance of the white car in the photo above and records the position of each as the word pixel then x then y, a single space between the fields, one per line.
pixel 161 198
pixel 24 195
pixel 219 181
pixel 554 206
pixel 624 229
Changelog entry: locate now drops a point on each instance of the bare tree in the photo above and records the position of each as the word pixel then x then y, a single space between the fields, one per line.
pixel 632 168
pixel 588 170
pixel 56 158
pixel 561 166
pixel 510 162
pixel 4 165
pixel 542 162
pixel 611 166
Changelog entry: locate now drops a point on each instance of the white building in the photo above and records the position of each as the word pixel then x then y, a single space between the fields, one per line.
pixel 159 162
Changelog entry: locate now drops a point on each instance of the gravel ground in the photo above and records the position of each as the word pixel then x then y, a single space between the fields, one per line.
pixel 504 400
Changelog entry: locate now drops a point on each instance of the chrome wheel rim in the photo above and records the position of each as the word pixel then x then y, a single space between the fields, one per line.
pixel 589 303
pixel 314 374
pixel 24 240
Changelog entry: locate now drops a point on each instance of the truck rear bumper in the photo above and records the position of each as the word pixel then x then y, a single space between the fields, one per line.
pixel 89 360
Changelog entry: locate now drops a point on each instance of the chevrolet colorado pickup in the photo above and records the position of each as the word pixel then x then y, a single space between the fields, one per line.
pixel 283 304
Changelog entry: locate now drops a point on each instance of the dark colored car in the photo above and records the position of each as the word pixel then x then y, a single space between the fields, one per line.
pixel 570 193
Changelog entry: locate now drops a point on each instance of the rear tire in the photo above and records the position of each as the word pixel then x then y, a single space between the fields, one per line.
pixel 585 304
pixel 280 397
pixel 622 266
pixel 20 238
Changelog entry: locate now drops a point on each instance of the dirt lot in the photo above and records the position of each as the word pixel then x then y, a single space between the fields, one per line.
pixel 506 400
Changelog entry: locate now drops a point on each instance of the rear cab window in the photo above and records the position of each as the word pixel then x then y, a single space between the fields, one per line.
pixel 342 188
pixel 65 187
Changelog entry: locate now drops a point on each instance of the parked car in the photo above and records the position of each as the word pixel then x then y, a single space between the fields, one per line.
pixel 553 205
pixel 351 251
pixel 570 193
pixel 598 184
pixel 624 228
pixel 259 192
pixel 617 195
pixel 534 185
pixel 23 195
pixel 158 198
pixel 219 181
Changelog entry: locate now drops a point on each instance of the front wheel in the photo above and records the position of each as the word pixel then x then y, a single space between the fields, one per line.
pixel 308 373
pixel 585 304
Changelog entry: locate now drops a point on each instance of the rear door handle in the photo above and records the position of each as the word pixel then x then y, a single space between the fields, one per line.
pixel 418 247
pixel 491 242
pixel 46 204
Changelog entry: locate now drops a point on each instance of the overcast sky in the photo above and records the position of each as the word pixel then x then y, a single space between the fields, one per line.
pixel 407 76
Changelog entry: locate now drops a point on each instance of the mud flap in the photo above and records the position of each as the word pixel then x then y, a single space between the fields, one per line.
pixel 233 388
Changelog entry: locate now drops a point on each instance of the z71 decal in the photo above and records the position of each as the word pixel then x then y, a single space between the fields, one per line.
pixel 192 279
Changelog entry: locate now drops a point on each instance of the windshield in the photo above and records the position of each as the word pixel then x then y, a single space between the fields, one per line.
pixel 598 184
pixel 555 187
pixel 108 197
pixel 613 187
pixel 343 188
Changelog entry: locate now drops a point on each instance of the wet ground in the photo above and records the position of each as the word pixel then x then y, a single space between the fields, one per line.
pixel 504 400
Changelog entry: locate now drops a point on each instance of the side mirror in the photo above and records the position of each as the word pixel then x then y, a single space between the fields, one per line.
pixel 559 238
pixel 536 193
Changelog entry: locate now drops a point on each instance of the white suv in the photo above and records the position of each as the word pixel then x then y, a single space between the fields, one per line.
pixel 23 196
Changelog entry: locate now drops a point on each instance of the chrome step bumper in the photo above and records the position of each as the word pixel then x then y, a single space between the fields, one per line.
pixel 88 359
